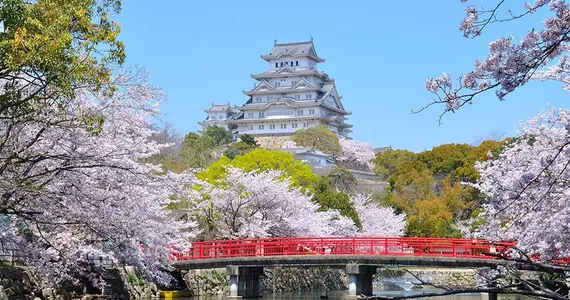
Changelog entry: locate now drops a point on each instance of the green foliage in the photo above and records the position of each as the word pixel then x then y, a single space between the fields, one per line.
pixel 427 186
pixel 249 140
pixel 328 199
pixel 133 279
pixel 320 138
pixel 263 159
pixel 430 218
pixel 241 147
pixel 445 159
pixel 59 45
pixel 197 151
pixel 342 180
pixel 388 162
pixel 238 148
pixel 220 136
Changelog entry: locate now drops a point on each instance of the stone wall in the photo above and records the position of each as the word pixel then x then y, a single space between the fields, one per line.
pixel 279 280
pixel 23 283
pixel 275 280
pixel 388 279
pixel 271 142
pixel 208 282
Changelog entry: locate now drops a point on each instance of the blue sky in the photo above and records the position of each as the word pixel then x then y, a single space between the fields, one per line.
pixel 379 52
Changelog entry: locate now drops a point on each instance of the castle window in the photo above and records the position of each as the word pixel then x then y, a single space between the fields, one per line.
pixel 277 83
pixel 311 111
pixel 258 99
pixel 251 127
pixel 293 82
pixel 299 112
pixel 272 126
pixel 276 65
pixel 283 126
pixel 294 125
pixel 260 115
pixel 260 127
pixel 305 125
pixel 309 96
pixel 282 64
pixel 250 115
pixel 298 96
pixel 296 63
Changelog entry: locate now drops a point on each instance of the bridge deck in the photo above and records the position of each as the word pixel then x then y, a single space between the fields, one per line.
pixel 335 261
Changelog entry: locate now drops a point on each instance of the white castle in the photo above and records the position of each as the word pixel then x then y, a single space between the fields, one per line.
pixel 291 95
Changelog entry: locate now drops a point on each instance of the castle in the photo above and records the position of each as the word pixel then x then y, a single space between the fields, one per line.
pixel 291 95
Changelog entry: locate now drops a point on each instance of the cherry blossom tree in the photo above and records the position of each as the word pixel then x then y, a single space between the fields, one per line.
pixel 357 154
pixel 73 186
pixel 528 188
pixel 263 204
pixel 378 221
pixel 542 54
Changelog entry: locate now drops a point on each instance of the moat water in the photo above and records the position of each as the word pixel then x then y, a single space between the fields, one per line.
pixel 339 295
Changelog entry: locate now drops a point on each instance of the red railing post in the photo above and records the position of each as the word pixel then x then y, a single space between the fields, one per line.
pixel 353 245
pixel 453 248
pixel 419 248
pixel 385 245
pixel 200 251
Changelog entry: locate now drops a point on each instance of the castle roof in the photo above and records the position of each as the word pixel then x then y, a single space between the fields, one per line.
pixel 292 102
pixel 218 107
pixel 301 49
pixel 291 71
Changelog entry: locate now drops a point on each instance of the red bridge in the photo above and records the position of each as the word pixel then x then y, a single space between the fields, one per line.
pixel 245 259
pixel 367 246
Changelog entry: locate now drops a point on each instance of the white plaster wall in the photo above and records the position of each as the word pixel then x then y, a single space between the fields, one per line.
pixel 303 62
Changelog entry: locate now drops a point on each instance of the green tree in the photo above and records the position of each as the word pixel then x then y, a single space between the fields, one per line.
pixel 263 159
pixel 220 136
pixel 445 159
pixel 48 48
pixel 237 148
pixel 389 162
pixel 249 140
pixel 342 180
pixel 320 138
pixel 431 218
pixel 328 199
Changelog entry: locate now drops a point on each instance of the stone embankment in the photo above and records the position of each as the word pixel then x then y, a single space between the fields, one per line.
pixel 388 279
pixel 23 283
pixel 275 280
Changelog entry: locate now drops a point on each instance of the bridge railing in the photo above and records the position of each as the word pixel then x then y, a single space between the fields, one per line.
pixel 440 247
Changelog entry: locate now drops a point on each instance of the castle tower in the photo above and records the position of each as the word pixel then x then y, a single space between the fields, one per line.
pixel 291 95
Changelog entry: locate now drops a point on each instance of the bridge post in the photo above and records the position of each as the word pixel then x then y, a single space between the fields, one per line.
pixel 359 280
pixel 237 283
pixel 244 281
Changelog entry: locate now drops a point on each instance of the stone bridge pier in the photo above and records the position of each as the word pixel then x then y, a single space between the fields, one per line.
pixel 359 279
pixel 244 281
